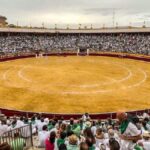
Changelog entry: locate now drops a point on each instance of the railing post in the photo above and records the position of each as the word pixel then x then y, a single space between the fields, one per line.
pixel 31 137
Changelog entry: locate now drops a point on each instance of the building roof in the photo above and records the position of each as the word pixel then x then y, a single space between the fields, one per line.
pixel 3 17
pixel 106 30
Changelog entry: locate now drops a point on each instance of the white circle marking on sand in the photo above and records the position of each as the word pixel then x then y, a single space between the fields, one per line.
pixel 20 74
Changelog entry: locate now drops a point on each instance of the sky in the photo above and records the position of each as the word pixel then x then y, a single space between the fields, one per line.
pixel 75 12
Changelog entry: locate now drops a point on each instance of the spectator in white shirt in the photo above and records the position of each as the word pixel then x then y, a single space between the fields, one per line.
pixel 129 133
pixel 99 137
pixel 43 135
pixel 20 123
pixel 3 127
pixel 93 128
pixel 41 124
pixel 85 117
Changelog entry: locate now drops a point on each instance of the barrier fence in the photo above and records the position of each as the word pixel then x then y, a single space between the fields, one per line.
pixel 107 54
pixel 18 139
pixel 104 115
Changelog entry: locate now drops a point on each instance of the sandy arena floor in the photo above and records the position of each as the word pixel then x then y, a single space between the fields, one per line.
pixel 75 84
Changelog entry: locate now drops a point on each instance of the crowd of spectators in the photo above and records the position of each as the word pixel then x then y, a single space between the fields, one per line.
pixel 127 132
pixel 121 42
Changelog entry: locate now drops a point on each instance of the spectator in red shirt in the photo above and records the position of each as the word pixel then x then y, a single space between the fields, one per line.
pixel 50 143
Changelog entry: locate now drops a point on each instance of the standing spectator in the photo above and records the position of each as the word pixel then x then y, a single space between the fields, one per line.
pixel 85 117
pixel 43 135
pixel 129 133
pixel 93 128
pixel 40 124
pixel 3 127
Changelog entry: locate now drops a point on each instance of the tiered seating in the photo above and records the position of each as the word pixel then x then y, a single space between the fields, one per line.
pixel 84 133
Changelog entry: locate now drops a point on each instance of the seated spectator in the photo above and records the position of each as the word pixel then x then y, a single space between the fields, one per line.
pixel 113 134
pixel 50 125
pixel 84 146
pixel 101 147
pixel 3 127
pixel 50 143
pixel 62 147
pixel 100 139
pixel 73 143
pixel 76 129
pixel 147 126
pixel 62 128
pixel 90 143
pixel 61 140
pixel 55 127
pixel 114 145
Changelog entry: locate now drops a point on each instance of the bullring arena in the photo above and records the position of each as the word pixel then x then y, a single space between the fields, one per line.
pixel 75 84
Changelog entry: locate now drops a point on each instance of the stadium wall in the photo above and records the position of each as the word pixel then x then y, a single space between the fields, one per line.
pixel 107 54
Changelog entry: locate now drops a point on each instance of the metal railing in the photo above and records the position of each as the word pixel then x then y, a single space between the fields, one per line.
pixel 19 138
